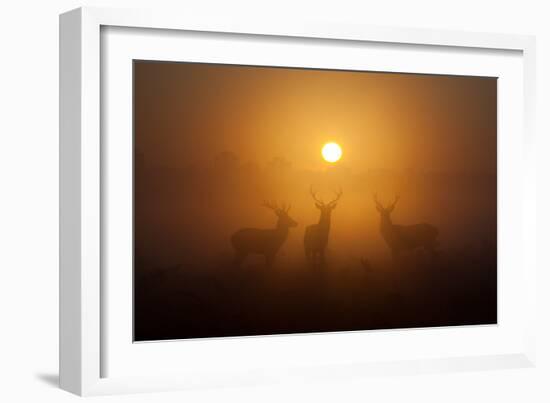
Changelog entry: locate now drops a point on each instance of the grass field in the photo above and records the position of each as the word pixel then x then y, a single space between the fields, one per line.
pixel 217 299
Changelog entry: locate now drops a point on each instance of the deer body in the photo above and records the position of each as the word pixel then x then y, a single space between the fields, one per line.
pixel 405 237
pixel 266 242
pixel 316 239
pixel 316 235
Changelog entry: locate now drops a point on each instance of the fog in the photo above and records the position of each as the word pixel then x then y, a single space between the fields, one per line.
pixel 214 142
pixel 188 214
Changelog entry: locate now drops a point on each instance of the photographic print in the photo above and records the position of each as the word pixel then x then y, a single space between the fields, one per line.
pixel 275 200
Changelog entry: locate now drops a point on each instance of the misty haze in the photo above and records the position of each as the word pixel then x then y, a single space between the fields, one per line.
pixel 245 225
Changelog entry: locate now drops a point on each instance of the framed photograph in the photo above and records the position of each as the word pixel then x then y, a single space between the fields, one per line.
pixel 247 202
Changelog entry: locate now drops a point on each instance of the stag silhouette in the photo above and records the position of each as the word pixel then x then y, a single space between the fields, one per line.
pixel 316 235
pixel 405 237
pixel 265 242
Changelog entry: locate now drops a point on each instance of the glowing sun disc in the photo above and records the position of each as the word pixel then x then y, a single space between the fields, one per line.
pixel 331 152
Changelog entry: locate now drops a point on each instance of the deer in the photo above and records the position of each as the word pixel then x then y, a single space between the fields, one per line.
pixel 266 242
pixel 316 235
pixel 400 238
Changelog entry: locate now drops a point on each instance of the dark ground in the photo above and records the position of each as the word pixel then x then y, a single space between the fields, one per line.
pixel 184 301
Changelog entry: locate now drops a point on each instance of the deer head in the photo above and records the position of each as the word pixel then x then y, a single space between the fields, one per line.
pixel 326 208
pixel 284 220
pixel 385 212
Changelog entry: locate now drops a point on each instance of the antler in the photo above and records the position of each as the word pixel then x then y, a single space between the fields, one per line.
pixel 390 206
pixel 275 207
pixel 375 197
pixel 338 195
pixel 270 205
pixel 397 197
pixel 314 196
pixel 284 207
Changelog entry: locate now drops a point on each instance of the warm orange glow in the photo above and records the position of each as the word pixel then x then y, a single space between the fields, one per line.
pixel 332 152
pixel 245 175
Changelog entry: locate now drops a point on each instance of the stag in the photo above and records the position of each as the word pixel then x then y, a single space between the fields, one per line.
pixel 316 235
pixel 405 237
pixel 266 242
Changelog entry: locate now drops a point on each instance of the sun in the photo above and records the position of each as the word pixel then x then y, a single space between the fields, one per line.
pixel 332 152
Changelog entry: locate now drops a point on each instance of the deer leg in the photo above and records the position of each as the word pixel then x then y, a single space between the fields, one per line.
pixel 394 254
pixel 309 255
pixel 239 257
pixel 322 260
pixel 430 249
pixel 317 258
pixel 314 258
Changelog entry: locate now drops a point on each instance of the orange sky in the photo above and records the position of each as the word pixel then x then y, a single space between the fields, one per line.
pixel 189 113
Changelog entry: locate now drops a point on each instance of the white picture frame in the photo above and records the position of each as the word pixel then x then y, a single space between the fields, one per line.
pixel 88 332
